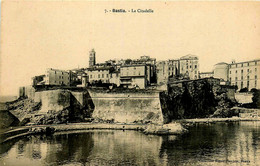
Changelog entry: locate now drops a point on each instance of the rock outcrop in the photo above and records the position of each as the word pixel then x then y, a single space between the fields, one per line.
pixel 194 99
pixel 52 107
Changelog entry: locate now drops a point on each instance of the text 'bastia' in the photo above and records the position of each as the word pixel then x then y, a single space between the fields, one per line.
pixel 133 11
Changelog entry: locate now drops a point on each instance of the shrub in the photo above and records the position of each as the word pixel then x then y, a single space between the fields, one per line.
pixel 243 90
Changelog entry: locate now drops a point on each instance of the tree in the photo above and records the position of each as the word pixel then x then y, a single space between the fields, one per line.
pixel 128 61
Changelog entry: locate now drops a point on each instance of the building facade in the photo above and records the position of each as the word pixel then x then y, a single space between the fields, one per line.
pixel 99 74
pixel 245 74
pixel 162 73
pixel 173 68
pixel 189 66
pixel 138 76
pixel 56 77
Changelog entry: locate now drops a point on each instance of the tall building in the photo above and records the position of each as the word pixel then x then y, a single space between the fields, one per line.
pixel 166 69
pixel 189 66
pixel 245 74
pixel 92 58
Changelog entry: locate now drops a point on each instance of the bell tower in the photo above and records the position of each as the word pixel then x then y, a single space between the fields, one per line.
pixel 92 58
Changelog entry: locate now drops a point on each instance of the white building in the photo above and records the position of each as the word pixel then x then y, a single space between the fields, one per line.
pixel 245 74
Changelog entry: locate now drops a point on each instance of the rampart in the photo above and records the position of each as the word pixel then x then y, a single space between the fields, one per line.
pixel 127 107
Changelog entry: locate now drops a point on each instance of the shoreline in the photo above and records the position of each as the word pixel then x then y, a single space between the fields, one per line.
pixel 41 129
pixel 214 120
pixel 21 131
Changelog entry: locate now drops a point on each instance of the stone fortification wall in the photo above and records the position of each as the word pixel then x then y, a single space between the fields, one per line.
pixel 53 100
pixel 127 107
pixel 244 97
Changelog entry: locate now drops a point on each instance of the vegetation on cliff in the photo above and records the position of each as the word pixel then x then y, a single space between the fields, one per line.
pixel 255 100
pixel 195 99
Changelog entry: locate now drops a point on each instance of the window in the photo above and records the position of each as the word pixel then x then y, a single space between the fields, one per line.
pixel 241 77
pixel 107 75
pixel 236 71
pixel 255 63
pixel 255 69
pixel 90 76
pixel 247 84
pixel 247 64
pixel 242 71
pixel 190 66
pixel 230 79
pixel 187 66
pixel 255 83
pixel 248 70
pixel 195 66
pixel 195 72
pixel 102 75
pixel 98 75
pixel 248 77
pixel 242 84
pixel 255 76
pixel 230 72
pixel 236 78
pixel 242 65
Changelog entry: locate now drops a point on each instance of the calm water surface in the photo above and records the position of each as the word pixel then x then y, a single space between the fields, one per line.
pixel 213 144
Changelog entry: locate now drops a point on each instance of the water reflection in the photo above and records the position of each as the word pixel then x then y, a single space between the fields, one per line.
pixel 220 143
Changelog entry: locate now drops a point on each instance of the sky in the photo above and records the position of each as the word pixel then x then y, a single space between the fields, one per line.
pixel 36 35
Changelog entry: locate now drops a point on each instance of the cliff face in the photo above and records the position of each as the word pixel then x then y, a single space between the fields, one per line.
pixel 194 99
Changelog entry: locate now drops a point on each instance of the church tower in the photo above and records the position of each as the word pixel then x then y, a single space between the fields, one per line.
pixel 92 58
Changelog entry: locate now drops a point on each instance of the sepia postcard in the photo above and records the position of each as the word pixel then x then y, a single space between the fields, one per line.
pixel 129 82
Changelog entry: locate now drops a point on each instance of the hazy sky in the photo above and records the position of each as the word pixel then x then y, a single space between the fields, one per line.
pixel 40 35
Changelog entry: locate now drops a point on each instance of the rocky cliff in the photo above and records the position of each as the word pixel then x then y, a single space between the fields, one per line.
pixel 195 99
